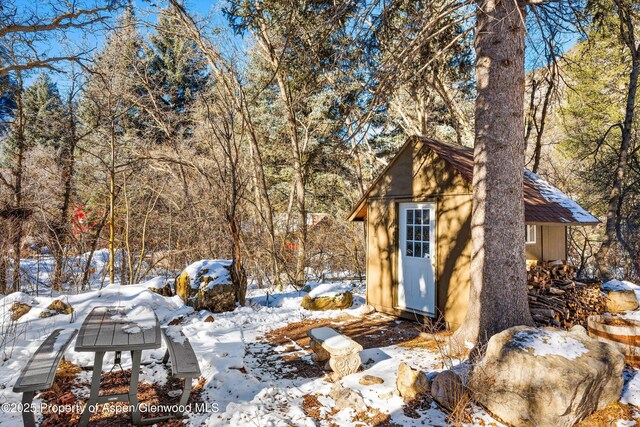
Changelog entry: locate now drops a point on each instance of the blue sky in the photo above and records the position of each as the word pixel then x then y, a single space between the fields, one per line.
pixel 76 40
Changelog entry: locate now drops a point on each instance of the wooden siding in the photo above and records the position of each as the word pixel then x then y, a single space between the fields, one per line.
pixel 551 243
pixel 419 175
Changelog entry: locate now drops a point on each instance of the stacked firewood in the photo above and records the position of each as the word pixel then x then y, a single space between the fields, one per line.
pixel 557 299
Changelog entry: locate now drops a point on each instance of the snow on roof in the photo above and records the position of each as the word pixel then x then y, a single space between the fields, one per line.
pixel 543 203
pixel 552 194
pixel 215 269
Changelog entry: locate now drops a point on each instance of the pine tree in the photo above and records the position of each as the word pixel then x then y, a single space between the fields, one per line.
pixel 177 72
pixel 45 116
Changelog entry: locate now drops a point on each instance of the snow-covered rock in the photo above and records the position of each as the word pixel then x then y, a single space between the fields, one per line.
pixel 56 307
pixel 159 285
pixel 546 377
pixel 207 285
pixel 329 296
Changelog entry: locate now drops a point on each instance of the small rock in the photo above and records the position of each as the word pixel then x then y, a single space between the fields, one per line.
pixel 619 301
pixel 347 398
pixel 306 288
pixel 388 395
pixel 18 310
pixel 367 309
pixel 447 389
pixel 411 382
pixel 56 307
pixel 370 380
pixel 209 319
pixel 176 321
pixel 165 291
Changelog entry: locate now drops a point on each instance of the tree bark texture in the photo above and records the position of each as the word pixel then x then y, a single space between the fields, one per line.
pixel 498 294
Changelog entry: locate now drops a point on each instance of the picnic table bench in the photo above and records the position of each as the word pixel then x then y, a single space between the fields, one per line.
pixel 184 363
pixel 341 352
pixel 40 371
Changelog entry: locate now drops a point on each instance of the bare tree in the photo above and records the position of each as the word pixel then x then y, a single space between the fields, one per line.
pixel 25 27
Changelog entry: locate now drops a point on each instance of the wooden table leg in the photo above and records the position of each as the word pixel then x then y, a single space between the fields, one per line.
pixel 95 388
pixel 136 416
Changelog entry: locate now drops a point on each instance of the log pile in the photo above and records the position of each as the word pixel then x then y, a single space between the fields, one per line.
pixel 557 299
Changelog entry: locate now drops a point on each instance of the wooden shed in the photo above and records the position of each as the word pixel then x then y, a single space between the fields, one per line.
pixel 418 222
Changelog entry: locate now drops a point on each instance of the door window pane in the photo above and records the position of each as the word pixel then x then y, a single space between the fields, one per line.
pixel 418 233
pixel 418 250
pixel 425 216
pixel 425 249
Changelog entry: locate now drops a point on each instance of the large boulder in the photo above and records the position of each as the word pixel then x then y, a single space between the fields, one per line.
pixel 328 296
pixel 411 382
pixel 546 377
pixel 621 300
pixel 207 285
pixel 56 307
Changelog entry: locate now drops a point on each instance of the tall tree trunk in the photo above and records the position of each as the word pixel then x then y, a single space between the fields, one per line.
pixel 498 294
pixel 60 228
pixel 614 206
pixel 18 173
pixel 112 202
pixel 3 274
pixel 86 275
pixel 298 172
pixel 537 151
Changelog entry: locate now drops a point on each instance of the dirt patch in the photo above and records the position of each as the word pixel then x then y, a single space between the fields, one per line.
pixel 370 332
pixel 65 391
pixel 312 406
pixel 374 417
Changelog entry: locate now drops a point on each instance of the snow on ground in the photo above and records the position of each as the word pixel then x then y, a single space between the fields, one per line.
pixel 237 383
pixel 231 351
pixel 549 343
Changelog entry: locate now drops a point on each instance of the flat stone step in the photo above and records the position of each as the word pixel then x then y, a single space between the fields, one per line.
pixel 334 342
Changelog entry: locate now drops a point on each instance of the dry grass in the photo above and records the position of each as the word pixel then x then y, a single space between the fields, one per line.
pixel 609 416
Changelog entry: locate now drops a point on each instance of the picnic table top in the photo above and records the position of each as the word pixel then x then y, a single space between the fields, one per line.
pixel 105 329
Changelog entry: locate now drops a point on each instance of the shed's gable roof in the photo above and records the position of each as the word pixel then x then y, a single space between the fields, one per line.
pixel 543 202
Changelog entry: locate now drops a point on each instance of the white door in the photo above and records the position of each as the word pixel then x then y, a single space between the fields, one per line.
pixel 416 269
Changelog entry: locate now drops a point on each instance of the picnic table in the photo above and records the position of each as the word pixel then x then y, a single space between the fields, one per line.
pixel 109 329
